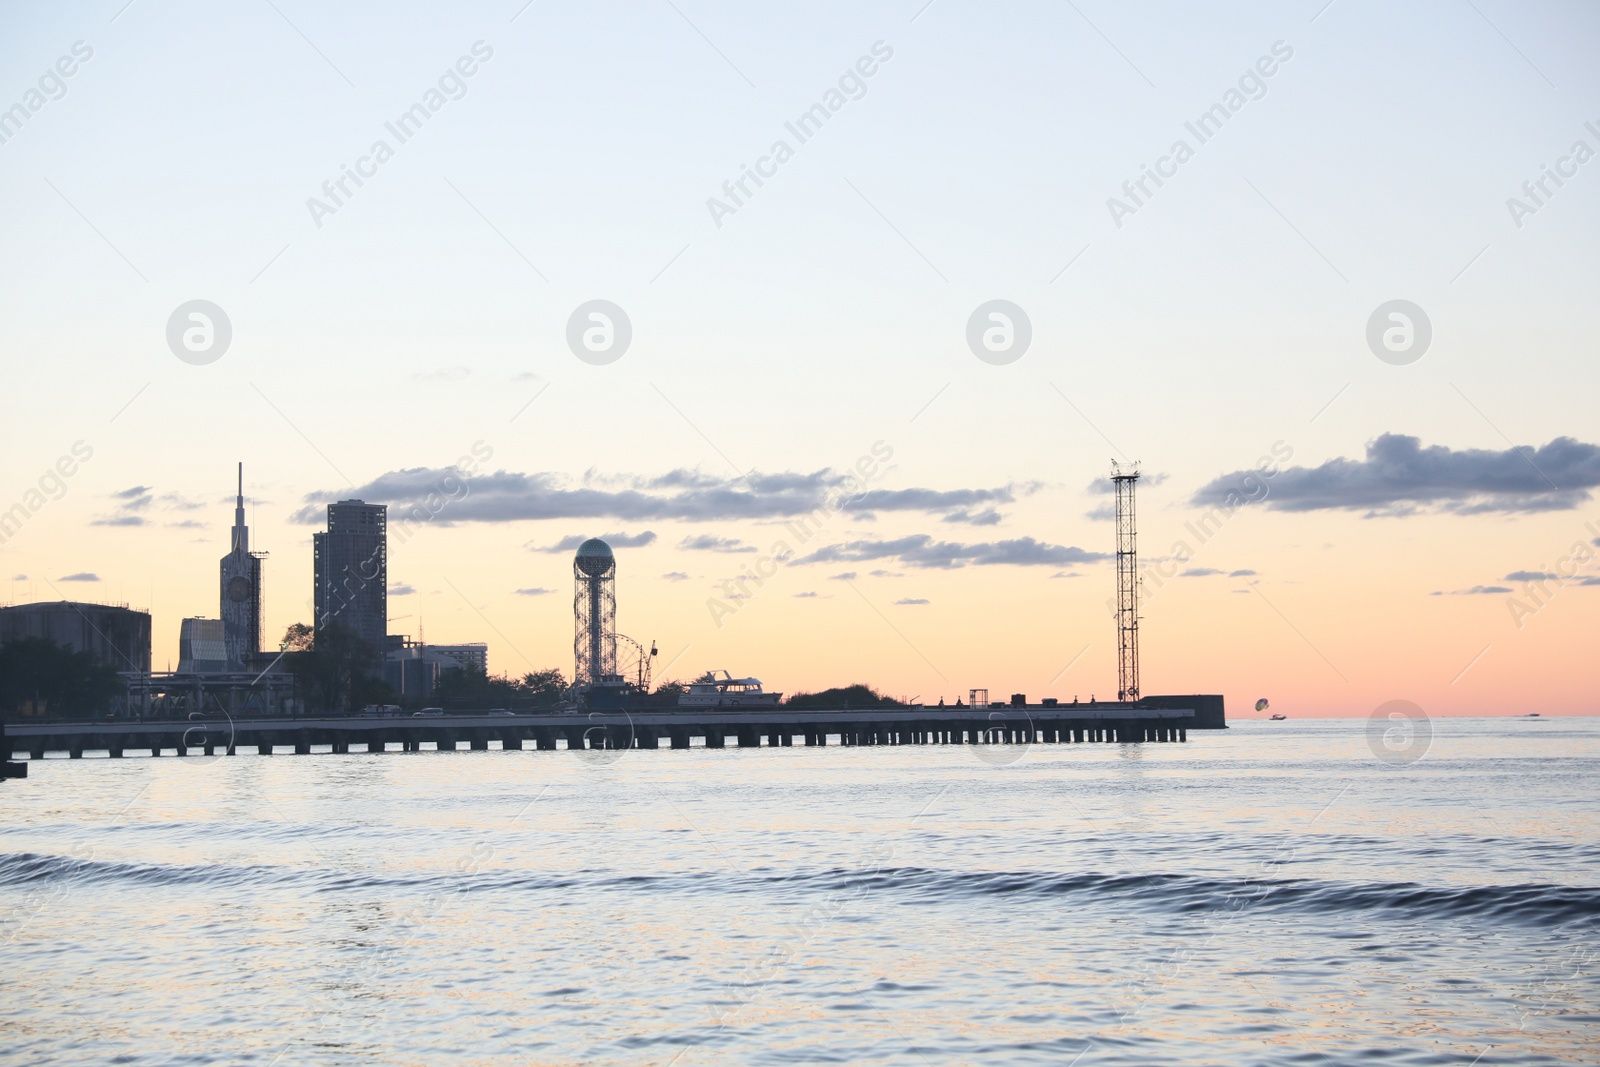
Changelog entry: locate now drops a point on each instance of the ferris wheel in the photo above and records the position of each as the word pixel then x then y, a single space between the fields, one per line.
pixel 634 662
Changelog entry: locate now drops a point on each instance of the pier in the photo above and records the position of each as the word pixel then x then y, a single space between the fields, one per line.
pixel 1155 720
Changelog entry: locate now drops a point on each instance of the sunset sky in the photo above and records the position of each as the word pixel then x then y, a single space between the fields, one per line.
pixel 1425 529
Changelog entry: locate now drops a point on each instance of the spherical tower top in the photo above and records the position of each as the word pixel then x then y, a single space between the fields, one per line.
pixel 595 558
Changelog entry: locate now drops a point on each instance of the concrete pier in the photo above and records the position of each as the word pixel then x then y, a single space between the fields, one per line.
pixel 1152 720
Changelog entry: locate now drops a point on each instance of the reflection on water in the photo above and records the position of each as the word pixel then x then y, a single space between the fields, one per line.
pixel 1270 894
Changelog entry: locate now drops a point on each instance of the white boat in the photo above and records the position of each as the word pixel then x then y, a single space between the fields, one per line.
pixel 728 692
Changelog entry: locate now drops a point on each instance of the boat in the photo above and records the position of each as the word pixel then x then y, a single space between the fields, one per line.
pixel 728 692
pixel 1275 717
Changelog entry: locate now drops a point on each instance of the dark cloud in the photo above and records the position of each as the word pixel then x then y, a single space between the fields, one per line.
pixel 682 495
pixel 535 592
pixel 615 540
pixel 1243 572
pixel 1399 476
pixel 911 601
pixel 81 576
pixel 711 543
pixel 1105 487
pixel 401 589
pixel 134 501
pixel 1531 576
pixel 921 550
pixel 986 517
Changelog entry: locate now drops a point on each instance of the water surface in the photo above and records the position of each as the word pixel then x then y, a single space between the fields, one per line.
pixel 1271 894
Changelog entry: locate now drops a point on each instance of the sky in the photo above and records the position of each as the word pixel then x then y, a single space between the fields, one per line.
pixel 1347 330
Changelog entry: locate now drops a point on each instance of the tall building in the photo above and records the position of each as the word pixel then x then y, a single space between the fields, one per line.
pixel 351 562
pixel 117 636
pixel 241 591
pixel 203 647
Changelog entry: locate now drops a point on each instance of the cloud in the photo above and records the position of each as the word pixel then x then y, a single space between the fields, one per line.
pixel 19 577
pixel 187 524
pixel 136 500
pixel 711 543
pixel 1531 576
pixel 179 502
pixel 535 592
pixel 921 550
pixel 1477 590
pixel 401 589
pixel 679 495
pixel 1102 513
pixel 908 601
pixel 1065 574
pixel 1105 486
pixel 676 576
pixel 1243 572
pixel 1399 477
pixel 887 574
pixel 1199 572
pixel 808 595
pixel 986 517
pixel 81 576
pixel 615 540
pixel 843 576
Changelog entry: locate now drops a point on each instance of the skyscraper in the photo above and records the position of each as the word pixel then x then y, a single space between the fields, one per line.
pixel 351 562
pixel 241 590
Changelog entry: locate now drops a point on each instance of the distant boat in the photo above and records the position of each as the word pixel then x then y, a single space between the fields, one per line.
pixel 1275 716
pixel 1531 715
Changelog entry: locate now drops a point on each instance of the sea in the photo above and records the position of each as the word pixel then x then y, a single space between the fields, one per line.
pixel 1316 892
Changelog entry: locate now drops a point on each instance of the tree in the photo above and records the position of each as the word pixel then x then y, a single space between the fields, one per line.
pixel 544 688
pixel 666 695
pixel 299 637
pixel 850 696
pixel 44 678
pixel 339 670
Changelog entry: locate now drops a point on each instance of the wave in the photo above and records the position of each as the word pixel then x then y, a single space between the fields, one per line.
pixel 837 889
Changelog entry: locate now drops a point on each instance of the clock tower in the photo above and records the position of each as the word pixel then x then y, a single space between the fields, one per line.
pixel 241 591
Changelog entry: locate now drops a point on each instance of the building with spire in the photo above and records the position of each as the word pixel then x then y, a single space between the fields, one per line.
pixel 241 591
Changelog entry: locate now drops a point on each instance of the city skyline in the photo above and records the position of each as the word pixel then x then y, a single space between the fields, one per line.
pixel 1197 239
